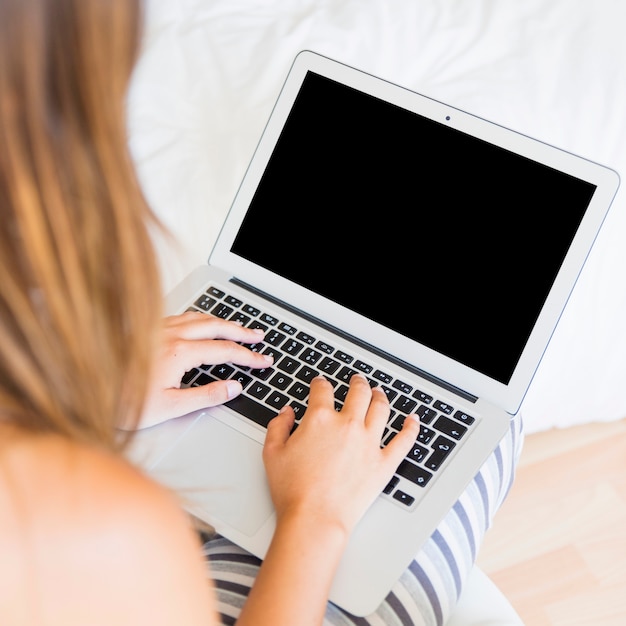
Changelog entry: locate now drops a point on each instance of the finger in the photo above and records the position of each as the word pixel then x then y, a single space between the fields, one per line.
pixel 193 325
pixel 378 411
pixel 278 430
pixel 213 351
pixel 358 397
pixel 320 394
pixel 183 401
pixel 223 351
pixel 402 443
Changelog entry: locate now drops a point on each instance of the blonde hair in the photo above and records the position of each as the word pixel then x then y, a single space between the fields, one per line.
pixel 79 288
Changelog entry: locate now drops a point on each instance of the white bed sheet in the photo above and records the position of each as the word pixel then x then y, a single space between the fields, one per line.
pixel 210 71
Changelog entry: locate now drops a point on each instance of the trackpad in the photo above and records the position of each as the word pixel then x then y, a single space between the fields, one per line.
pixel 219 473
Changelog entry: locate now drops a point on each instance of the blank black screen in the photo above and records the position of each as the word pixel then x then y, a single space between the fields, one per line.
pixel 445 238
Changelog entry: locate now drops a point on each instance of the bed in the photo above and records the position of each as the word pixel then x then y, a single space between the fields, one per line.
pixel 210 70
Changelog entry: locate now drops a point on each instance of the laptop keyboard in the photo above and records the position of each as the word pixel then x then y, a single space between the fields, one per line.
pixel 299 356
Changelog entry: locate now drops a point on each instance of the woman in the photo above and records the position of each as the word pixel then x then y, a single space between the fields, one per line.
pixel 85 538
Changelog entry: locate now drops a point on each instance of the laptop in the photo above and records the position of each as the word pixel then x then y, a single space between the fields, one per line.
pixel 380 231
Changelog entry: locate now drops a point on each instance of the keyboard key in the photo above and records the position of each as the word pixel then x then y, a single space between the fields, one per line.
pixel 426 435
pixel 251 409
pixel 382 377
pixel 258 390
pixel 256 347
pixel 342 356
pixel 390 393
pixel 214 291
pixel 405 498
pixel 363 367
pixel 240 318
pixel 280 381
pixel 203 379
pixel 441 450
pixel 298 409
pixel 263 374
pixel 398 422
pixel 341 392
pixel 277 400
pixel 251 310
pixel 426 414
pixel 266 318
pixel 388 437
pixel 288 364
pixel 274 338
pixel 464 417
pixel 402 386
pixel 422 397
pixel 273 352
pixel 404 404
pixel 287 328
pixel 242 378
pixel 324 347
pixel 418 453
pixel 236 302
pixel 306 338
pixel 189 376
pixel 345 374
pixel 222 310
pixel 222 371
pixel 443 407
pixel 311 356
pixel 328 366
pixel 414 473
pixel 292 347
pixel 391 485
pixel 205 302
pixel 307 374
pixel 299 390
pixel 450 427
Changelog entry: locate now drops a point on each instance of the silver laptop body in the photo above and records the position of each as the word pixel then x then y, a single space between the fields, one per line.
pixel 431 246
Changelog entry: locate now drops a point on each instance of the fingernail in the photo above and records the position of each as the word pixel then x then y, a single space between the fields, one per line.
pixel 233 389
pixel 258 331
pixel 414 417
pixel 268 358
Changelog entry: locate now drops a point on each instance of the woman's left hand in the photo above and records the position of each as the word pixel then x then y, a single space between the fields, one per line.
pixel 190 340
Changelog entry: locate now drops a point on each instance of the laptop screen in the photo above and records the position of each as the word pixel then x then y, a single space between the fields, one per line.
pixel 443 237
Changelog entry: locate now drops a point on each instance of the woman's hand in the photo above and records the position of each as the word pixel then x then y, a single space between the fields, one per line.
pixel 332 468
pixel 190 340
pixel 322 479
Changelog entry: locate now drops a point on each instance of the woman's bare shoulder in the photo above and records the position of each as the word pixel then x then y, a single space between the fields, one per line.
pixel 93 539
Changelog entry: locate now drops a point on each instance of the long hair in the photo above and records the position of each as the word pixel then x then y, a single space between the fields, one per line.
pixel 79 285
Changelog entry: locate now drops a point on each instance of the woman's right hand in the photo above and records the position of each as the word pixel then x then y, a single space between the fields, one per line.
pixel 322 478
pixel 332 467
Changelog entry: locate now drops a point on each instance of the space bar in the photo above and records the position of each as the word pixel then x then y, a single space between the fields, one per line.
pixel 252 410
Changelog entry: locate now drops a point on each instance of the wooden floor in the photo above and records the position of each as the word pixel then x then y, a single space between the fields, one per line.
pixel 557 548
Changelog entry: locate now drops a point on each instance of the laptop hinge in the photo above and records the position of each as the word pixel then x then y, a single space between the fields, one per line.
pixel 363 344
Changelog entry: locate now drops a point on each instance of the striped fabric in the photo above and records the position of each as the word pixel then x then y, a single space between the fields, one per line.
pixel 427 592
